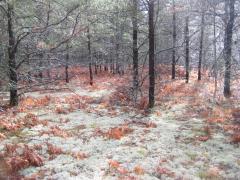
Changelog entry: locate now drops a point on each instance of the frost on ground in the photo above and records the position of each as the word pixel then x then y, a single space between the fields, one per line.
pixel 80 137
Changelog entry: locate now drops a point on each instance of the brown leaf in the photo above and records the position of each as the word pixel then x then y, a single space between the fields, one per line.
pixel 138 170
pixel 113 164
pixel 118 132
pixel 122 170
pixel 165 171
pixel 213 172
pixel 53 150
pixel 2 136
pixel 17 163
pixel 80 155
pixel 33 158
pixel 203 138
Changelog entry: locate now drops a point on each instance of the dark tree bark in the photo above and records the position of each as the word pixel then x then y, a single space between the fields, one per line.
pixel 215 55
pixel 95 68
pixel 66 65
pixel 187 48
pixel 118 39
pixel 105 67
pixel 230 17
pixel 174 34
pixel 90 57
pixel 29 74
pixel 201 45
pixel 135 49
pixel 12 57
pixel 90 73
pixel 49 65
pixel 40 75
pixel 151 54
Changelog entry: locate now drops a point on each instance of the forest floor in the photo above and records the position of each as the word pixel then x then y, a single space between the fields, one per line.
pixel 91 133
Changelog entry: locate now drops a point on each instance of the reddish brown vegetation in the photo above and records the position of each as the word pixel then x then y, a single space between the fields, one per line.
pixel 29 103
pixel 21 156
pixel 118 132
pixel 56 131
pixel 54 150
pixel 11 124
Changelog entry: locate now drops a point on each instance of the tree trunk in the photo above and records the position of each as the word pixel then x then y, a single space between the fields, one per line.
pixel 151 55
pixel 91 73
pixel 229 11
pixel 105 67
pixel 90 57
pixel 49 67
pixel 96 68
pixel 215 55
pixel 187 48
pixel 135 49
pixel 174 34
pixel 66 65
pixel 41 66
pixel 201 46
pixel 12 57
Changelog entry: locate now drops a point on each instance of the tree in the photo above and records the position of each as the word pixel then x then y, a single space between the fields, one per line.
pixel 67 64
pixel 230 17
pixel 90 56
pixel 23 31
pixel 201 42
pixel 135 48
pixel 12 50
pixel 215 52
pixel 151 53
pixel 187 48
pixel 174 37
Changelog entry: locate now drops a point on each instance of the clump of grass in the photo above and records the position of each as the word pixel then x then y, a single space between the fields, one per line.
pixel 212 173
pixel 142 152
pixel 93 125
pixel 192 156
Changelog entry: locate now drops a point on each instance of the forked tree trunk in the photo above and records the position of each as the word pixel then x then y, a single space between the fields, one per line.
pixel 151 54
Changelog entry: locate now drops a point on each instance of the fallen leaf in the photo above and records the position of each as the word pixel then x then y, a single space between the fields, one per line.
pixel 113 164
pixel 2 136
pixel 203 138
pixel 138 170
pixel 80 155
pixel 53 149
pixel 122 170
pixel 213 172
